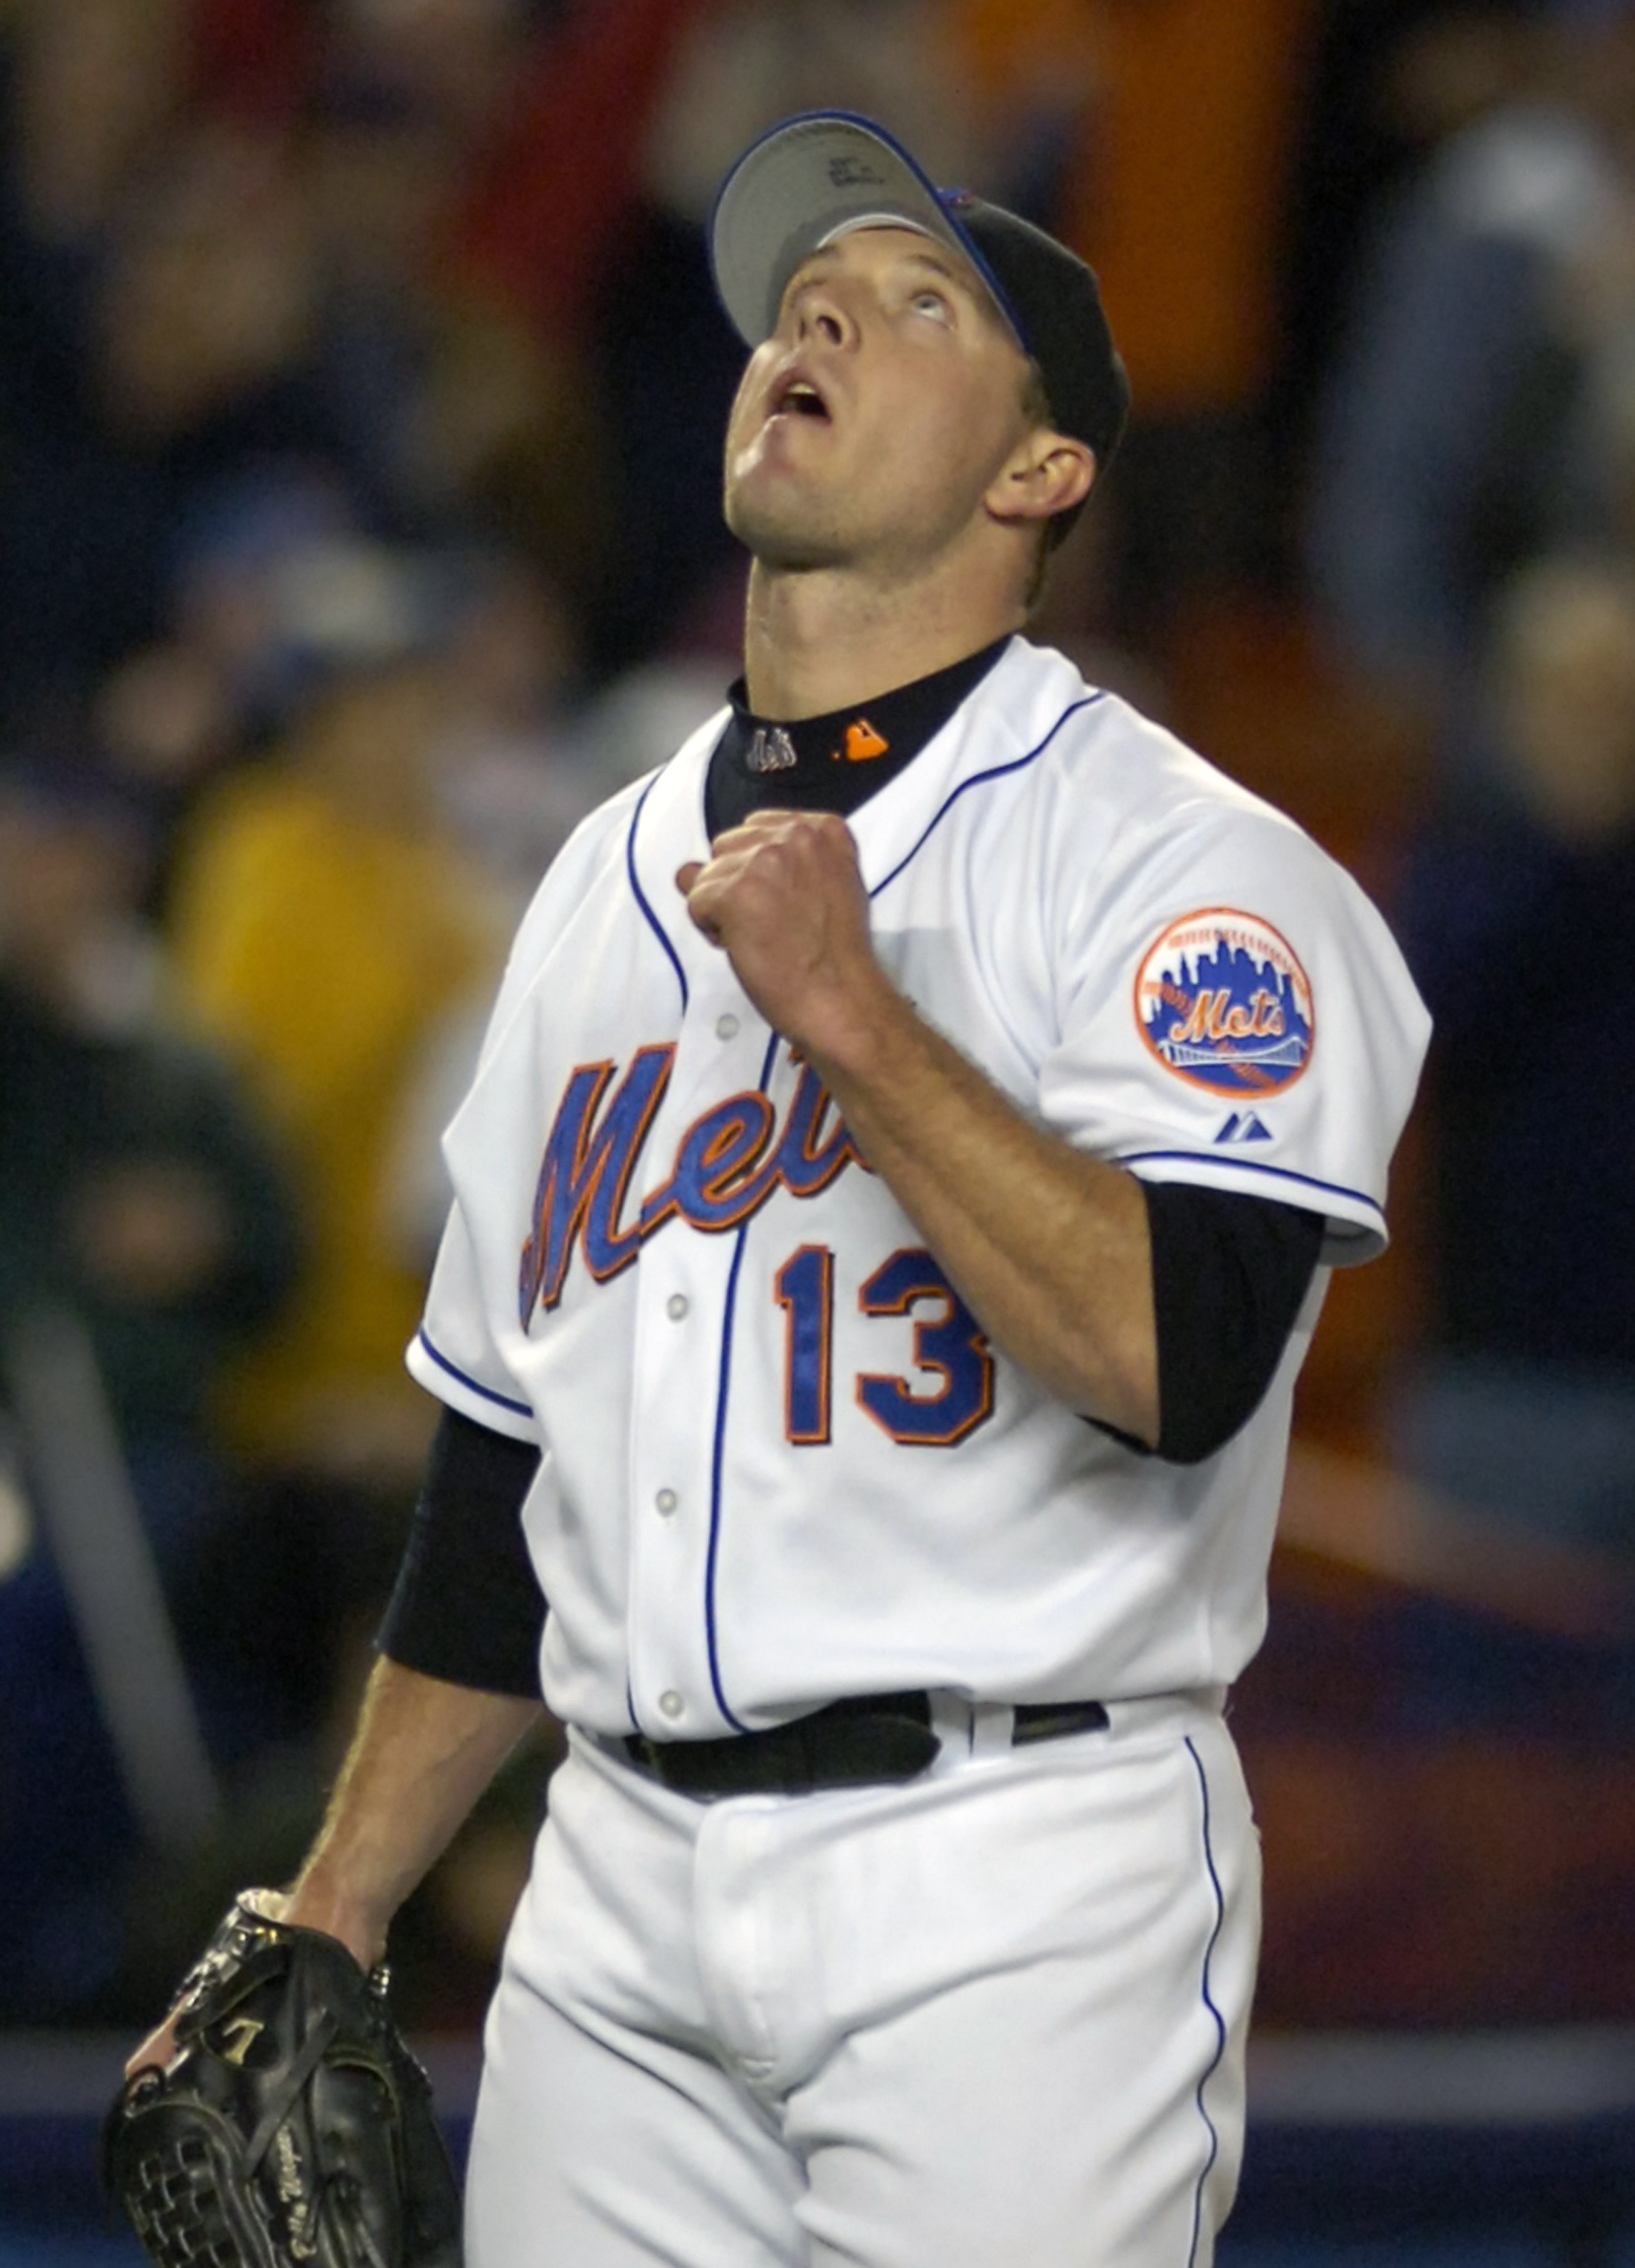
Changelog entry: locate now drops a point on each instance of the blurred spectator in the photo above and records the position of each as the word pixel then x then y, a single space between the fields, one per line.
pixel 382 177
pixel 219 680
pixel 191 373
pixel 324 922
pixel 1446 431
pixel 325 927
pixel 1176 197
pixel 135 1189
pixel 457 61
pixel 548 198
pixel 1388 83
pixel 254 59
pixel 1519 923
pixel 515 772
pixel 90 89
pixel 136 1195
pixel 1032 74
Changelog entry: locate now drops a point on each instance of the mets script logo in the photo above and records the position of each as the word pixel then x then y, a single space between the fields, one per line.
pixel 1222 1001
pixel 727 1165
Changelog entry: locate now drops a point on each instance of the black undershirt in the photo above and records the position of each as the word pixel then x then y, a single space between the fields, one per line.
pixel 465 1606
pixel 1229 1272
pixel 839 760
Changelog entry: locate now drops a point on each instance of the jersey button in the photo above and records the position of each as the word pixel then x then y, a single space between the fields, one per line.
pixel 671 1705
pixel 665 1501
pixel 726 1027
pixel 675 1307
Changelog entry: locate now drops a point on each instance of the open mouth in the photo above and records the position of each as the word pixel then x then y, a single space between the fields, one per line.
pixel 799 398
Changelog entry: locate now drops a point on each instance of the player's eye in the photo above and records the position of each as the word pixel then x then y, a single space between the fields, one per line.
pixel 933 304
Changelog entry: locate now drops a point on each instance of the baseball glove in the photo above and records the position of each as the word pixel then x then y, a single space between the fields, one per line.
pixel 291 2125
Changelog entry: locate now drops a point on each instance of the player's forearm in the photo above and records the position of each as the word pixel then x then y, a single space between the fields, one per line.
pixel 1048 1248
pixel 423 1752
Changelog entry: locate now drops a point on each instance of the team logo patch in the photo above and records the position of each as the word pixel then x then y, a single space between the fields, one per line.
pixel 1222 1001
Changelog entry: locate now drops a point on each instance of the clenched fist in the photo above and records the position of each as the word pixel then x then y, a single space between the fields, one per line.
pixel 783 897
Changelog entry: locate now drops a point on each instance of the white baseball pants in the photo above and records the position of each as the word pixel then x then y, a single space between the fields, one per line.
pixel 993 2018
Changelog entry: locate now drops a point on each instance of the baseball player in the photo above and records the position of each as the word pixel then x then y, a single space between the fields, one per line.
pixel 895 1200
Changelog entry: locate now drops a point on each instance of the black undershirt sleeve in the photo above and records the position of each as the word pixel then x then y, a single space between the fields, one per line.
pixel 1229 1275
pixel 466 1606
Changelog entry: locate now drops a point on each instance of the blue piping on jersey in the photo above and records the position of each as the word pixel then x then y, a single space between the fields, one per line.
pixel 1214 2063
pixel 718 1455
pixel 1248 1165
pixel 996 772
pixel 523 1409
pixel 653 921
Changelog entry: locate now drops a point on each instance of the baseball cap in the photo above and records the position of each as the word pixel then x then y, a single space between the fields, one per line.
pixel 815 176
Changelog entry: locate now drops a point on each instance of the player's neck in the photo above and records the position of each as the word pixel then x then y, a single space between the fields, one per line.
pixel 815 642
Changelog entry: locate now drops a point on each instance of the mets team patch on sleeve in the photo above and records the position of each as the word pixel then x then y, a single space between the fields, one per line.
pixel 1222 1001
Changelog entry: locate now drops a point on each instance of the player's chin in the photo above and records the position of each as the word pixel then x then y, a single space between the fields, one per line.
pixel 785 544
pixel 782 525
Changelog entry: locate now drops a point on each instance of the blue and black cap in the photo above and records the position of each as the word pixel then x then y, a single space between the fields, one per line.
pixel 818 175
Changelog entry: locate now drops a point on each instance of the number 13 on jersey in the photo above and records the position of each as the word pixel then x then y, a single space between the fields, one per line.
pixel 950 1349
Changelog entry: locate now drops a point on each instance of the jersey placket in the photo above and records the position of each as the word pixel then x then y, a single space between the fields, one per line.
pixel 687 1288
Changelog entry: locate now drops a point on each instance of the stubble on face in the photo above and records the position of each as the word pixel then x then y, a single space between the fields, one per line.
pixel 793 531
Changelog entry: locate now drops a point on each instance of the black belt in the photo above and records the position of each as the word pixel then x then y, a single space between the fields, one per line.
pixel 874 1741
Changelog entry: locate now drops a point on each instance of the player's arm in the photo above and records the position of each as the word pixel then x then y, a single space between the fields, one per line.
pixel 423 1752
pixel 1050 1247
pixel 456 1687
pixel 455 1691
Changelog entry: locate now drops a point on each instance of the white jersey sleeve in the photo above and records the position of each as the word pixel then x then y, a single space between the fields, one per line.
pixel 1231 1010
pixel 454 1354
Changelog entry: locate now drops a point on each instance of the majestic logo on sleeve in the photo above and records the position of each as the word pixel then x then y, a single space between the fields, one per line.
pixel 727 1165
pixel 1222 1001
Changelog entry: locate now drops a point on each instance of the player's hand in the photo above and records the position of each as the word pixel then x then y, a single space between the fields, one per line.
pixel 783 897
pixel 160 2045
pixel 314 1908
pixel 157 2049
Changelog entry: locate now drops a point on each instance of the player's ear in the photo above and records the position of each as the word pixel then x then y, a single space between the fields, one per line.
pixel 1046 473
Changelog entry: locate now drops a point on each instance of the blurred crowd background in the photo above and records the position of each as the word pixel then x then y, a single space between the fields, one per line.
pixel 361 393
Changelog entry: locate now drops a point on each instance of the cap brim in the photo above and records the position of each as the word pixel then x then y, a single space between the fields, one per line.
pixel 802 184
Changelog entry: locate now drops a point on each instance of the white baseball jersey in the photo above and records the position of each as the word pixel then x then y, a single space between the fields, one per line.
pixel 783 1464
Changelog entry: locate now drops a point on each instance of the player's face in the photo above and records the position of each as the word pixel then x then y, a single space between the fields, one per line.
pixel 870 426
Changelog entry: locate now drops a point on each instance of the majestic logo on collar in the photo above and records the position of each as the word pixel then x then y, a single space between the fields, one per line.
pixel 863 743
pixel 727 1165
pixel 1223 1002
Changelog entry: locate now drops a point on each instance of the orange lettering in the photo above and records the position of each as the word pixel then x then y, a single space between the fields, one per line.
pixel 1198 1026
pixel 1268 1017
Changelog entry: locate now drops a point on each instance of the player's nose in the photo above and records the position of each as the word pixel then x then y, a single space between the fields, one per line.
pixel 821 311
